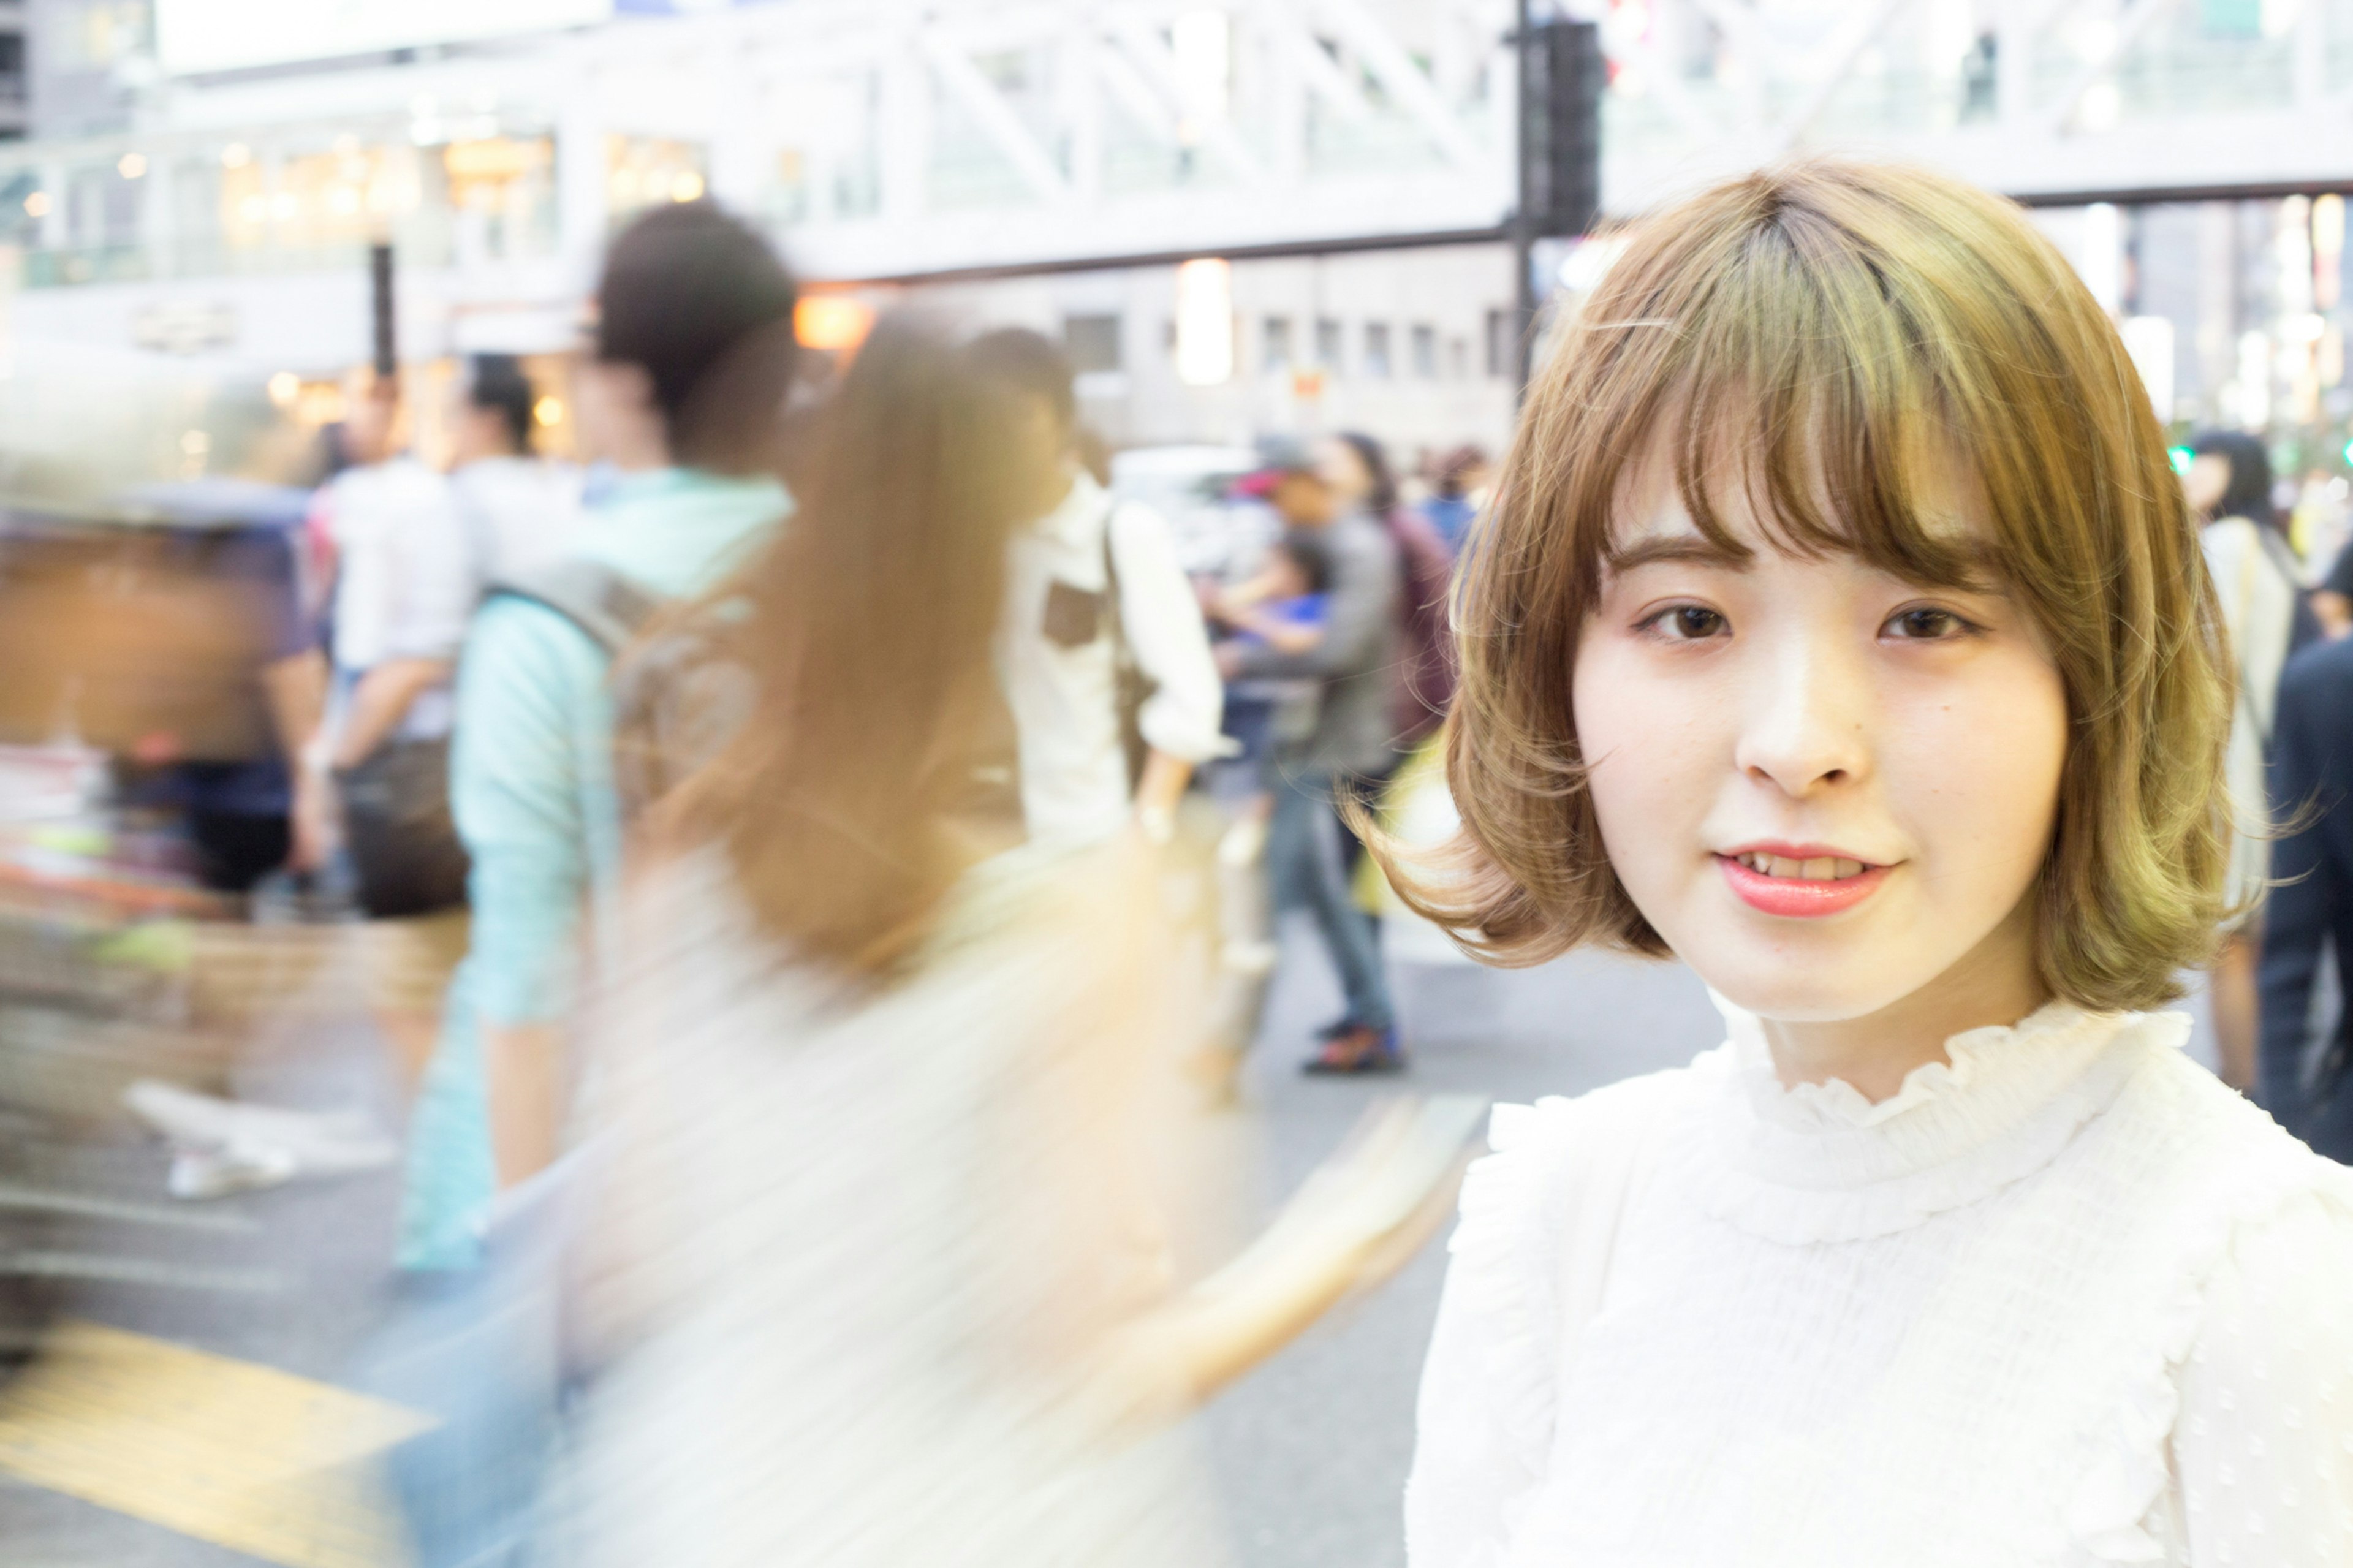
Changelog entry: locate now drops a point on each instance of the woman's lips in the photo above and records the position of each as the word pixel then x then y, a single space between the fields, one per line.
pixel 1805 889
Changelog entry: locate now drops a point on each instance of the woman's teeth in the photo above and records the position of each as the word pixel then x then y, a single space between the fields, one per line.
pixel 1823 870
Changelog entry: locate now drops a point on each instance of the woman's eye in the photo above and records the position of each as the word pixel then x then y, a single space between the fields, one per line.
pixel 1926 624
pixel 1687 622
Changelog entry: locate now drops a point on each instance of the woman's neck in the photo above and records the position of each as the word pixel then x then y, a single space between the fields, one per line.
pixel 1995 984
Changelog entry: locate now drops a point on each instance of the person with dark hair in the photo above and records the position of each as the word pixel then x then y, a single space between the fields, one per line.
pixel 522 509
pixel 683 393
pixel 406 580
pixel 1348 745
pixel 1357 469
pixel 1107 667
pixel 2264 612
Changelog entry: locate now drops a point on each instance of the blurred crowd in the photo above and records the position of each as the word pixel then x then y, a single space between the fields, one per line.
pixel 2282 567
pixel 807 864
pixel 753 848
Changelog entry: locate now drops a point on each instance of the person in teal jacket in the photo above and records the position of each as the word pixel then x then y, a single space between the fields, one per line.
pixel 693 357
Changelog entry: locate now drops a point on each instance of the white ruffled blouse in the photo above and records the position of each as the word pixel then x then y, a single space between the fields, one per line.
pixel 2067 1301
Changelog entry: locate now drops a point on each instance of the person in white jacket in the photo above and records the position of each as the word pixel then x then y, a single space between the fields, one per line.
pixel 1105 661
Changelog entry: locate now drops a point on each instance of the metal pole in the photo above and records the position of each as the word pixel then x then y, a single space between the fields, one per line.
pixel 388 356
pixel 1522 225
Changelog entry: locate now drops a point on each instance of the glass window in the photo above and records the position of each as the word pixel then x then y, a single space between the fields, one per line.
pixel 1092 341
pixel 1425 352
pixel 1274 343
pixel 1377 348
pixel 1499 344
pixel 1327 343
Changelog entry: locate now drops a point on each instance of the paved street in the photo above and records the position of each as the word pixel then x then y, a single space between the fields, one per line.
pixel 1310 1452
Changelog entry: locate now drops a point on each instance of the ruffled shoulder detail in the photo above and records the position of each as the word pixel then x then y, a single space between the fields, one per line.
pixel 2115 1514
pixel 1522 1207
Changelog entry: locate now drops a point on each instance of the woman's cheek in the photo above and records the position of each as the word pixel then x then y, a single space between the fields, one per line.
pixel 1645 740
pixel 1975 771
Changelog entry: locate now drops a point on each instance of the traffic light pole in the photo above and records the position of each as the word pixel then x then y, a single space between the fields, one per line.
pixel 1523 225
pixel 1562 77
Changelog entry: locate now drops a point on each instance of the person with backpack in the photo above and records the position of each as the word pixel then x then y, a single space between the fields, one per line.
pixel 1105 659
pixel 683 393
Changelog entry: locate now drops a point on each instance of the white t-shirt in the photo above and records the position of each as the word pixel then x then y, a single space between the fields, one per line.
pixel 1075 785
pixel 2255 577
pixel 2065 1302
pixel 405 576
pixel 521 512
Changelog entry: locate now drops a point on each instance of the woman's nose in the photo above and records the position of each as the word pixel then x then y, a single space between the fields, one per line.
pixel 1805 726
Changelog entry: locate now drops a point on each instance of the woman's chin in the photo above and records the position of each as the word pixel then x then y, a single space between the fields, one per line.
pixel 1787 988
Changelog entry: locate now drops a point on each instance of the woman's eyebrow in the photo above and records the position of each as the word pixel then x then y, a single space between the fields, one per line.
pixel 1686 547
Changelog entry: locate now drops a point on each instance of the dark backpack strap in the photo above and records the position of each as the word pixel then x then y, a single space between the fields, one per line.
pixel 611 608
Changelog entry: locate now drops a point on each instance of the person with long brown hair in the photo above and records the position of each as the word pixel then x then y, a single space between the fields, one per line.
pixel 860 1065
pixel 878 1269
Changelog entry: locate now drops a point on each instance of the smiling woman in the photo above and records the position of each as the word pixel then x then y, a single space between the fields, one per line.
pixel 1790 736
pixel 1839 628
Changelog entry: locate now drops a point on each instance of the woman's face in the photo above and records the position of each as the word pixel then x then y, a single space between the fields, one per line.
pixel 1824 786
pixel 2207 483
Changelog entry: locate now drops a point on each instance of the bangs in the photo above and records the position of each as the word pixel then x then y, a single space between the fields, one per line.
pixel 1798 381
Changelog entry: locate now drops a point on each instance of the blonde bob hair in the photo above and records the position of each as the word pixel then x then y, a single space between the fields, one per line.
pixel 1840 339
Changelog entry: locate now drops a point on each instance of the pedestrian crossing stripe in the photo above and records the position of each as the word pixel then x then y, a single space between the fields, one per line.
pixel 242 1455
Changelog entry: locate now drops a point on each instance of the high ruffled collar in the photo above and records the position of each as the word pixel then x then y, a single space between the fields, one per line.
pixel 1820 1163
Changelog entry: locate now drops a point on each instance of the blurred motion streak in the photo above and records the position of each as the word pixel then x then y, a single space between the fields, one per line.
pixel 238 1455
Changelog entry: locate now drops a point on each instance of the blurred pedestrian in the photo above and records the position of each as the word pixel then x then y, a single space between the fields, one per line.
pixel 1286 607
pixel 692 357
pixel 2229 487
pixel 1114 697
pixel 523 511
pixel 1347 749
pixel 273 811
pixel 2332 596
pixel 2309 912
pixel 869 1210
pixel 406 582
pixel 1357 469
pixel 1456 494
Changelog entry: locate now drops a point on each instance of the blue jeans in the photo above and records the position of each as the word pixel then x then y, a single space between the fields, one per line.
pixel 1304 863
pixel 479 1350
